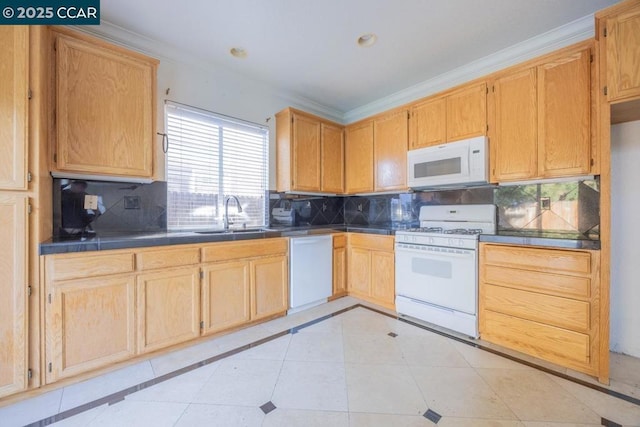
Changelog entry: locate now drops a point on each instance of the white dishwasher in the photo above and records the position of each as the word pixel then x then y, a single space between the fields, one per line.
pixel 311 271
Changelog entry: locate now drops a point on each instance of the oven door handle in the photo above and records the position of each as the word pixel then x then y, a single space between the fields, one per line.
pixel 428 251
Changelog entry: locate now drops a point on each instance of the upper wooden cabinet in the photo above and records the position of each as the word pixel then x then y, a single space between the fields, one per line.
pixel 332 158
pixel 541 118
pixel 359 158
pixel 428 123
pixel 14 89
pixel 309 153
pixel 620 37
pixel 104 108
pixel 467 112
pixel 444 118
pixel 390 136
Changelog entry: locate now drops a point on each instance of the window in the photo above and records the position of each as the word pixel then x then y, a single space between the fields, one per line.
pixel 211 157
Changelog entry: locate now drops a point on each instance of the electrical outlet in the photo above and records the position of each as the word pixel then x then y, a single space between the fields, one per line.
pixel 132 202
pixel 90 202
pixel 545 203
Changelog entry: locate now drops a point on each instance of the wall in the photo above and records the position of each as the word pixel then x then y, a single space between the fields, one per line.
pixel 625 238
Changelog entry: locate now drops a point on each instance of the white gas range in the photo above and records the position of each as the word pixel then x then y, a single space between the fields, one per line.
pixel 437 265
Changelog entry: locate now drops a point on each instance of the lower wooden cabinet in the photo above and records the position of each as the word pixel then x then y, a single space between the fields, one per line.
pixel 168 308
pixel 13 288
pixel 371 268
pixel 269 287
pixel 339 265
pixel 545 303
pixel 225 296
pixel 90 324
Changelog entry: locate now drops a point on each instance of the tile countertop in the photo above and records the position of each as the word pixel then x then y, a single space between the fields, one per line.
pixel 107 241
pixel 141 240
pixel 552 239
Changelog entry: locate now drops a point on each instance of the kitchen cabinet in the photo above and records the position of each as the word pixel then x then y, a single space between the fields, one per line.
pixel 89 311
pixel 535 132
pixel 14 93
pixel 168 307
pixel 467 112
pixel 13 287
pixel 621 45
pixel 543 302
pixel 105 107
pixel 371 268
pixel 226 300
pixel 459 114
pixel 269 287
pixel 339 265
pixel 359 158
pixel 332 159
pixel 390 139
pixel 309 153
pixel 90 324
pixel 251 276
pixel 428 125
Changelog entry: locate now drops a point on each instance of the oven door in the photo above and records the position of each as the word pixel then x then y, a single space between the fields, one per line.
pixel 446 277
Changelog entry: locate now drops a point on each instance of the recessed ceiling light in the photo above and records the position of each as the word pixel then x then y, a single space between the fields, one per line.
pixel 367 40
pixel 238 52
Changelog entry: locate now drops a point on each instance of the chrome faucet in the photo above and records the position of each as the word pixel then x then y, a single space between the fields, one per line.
pixel 226 211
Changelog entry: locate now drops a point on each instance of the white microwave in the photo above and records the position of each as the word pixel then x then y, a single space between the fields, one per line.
pixel 459 163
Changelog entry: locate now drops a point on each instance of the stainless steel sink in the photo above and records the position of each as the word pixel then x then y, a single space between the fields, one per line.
pixel 237 231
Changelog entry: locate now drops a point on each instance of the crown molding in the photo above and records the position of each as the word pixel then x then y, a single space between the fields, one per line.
pixel 565 35
pixel 150 47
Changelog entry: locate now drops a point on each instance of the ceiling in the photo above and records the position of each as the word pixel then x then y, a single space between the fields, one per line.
pixel 308 47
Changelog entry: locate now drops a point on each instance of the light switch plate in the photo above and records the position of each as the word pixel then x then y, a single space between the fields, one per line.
pixel 90 202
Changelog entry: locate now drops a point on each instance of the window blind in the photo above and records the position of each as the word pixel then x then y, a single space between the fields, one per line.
pixel 210 157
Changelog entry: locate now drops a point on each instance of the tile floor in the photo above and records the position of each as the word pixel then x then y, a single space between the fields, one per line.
pixel 357 368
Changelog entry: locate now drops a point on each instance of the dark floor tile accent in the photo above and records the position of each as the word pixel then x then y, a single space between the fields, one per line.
pixel 268 407
pixel 392 334
pixel 118 399
pixel 609 423
pixel 432 416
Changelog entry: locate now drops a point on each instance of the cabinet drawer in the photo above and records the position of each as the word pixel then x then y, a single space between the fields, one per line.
pixel 86 265
pixel 166 258
pixel 548 283
pixel 562 312
pixel 339 240
pixel 571 262
pixel 249 249
pixel 372 241
pixel 547 342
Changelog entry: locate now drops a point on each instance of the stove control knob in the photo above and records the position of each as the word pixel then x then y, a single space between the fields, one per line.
pixel 431 240
pixel 452 242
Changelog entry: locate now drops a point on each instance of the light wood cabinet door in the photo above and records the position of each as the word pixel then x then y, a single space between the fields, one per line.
pixel 14 88
pixel 306 153
pixel 339 266
pixel 467 112
pixel 105 107
pixel 514 148
pixel 168 308
pixel 383 277
pixel 90 324
pixel 269 286
pixel 623 55
pixel 332 159
pixel 564 115
pixel 427 126
pixel 359 271
pixel 390 139
pixel 359 158
pixel 13 285
pixel 225 296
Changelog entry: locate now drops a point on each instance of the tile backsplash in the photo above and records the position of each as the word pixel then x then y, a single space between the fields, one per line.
pixel 121 207
pixel 567 207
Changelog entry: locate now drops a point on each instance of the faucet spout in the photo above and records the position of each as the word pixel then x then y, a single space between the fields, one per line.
pixel 226 210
